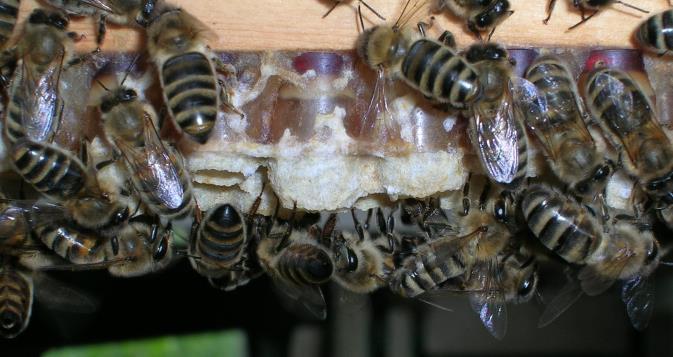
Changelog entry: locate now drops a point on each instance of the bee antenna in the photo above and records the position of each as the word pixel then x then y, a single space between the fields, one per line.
pixel 336 3
pixel 102 85
pixel 633 7
pixel 668 264
pixel 185 254
pixel 372 10
pixel 362 22
pixel 128 69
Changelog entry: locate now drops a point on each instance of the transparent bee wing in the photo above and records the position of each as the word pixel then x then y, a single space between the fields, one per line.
pixel 100 4
pixel 537 113
pixel 40 100
pixel 13 222
pixel 490 304
pixel 597 279
pixel 309 296
pixel 638 296
pixel 157 169
pixel 620 97
pixel 34 213
pixel 568 295
pixel 412 12
pixel 496 136
pixel 57 295
pixel 378 123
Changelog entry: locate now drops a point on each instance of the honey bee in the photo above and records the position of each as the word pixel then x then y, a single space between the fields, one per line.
pixel 426 214
pixel 138 246
pixel 553 111
pixel 572 231
pixel 9 10
pixel 144 247
pixel 119 12
pixel 496 129
pixel 219 242
pixel 589 5
pixel 298 265
pixel 431 263
pixel 627 118
pixel 362 263
pixel 156 170
pixel 511 278
pixel 654 34
pixel 482 230
pixel 34 108
pixel 16 299
pixel 51 170
pixel 431 67
pixel 18 290
pixel 481 15
pixel 187 70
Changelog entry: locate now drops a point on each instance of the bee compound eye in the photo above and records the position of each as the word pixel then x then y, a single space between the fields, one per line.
pixel 161 251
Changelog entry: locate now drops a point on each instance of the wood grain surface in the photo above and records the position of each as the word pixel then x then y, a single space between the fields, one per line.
pixel 250 25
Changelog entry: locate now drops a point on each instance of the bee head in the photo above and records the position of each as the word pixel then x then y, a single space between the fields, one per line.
pixel 345 258
pixel 486 52
pixel 120 96
pixel 54 19
pixel 319 267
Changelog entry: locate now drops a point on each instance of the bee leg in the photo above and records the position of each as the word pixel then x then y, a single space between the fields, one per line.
pixel 424 26
pixel 76 36
pixel 369 217
pixel 81 59
pixel 102 30
pixel 550 9
pixel 448 39
pixel 336 3
pixel 358 226
pixel 257 202
pixel 226 99
pixel 584 19
pixel 490 34
pixel 328 229
pixel 473 28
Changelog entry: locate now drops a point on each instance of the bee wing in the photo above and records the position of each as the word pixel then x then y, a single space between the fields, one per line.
pixel 537 114
pixel 100 4
pixel 40 98
pixel 309 296
pixel 490 304
pixel 155 167
pixel 596 279
pixel 638 296
pixel 17 213
pixel 378 122
pixel 617 94
pixel 57 295
pixel 412 12
pixel 568 295
pixel 496 137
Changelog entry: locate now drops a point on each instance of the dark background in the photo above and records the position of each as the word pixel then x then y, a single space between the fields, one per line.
pixel 178 301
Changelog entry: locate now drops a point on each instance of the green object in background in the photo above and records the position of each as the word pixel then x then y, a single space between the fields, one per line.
pixel 228 343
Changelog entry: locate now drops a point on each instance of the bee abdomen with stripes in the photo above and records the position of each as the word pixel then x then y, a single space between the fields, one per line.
pixel 220 241
pixel 561 224
pixel 9 10
pixel 656 33
pixel 16 300
pixel 49 169
pixel 191 92
pixel 440 73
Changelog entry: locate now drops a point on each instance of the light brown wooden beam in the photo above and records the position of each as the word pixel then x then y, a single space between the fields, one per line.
pixel 298 24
